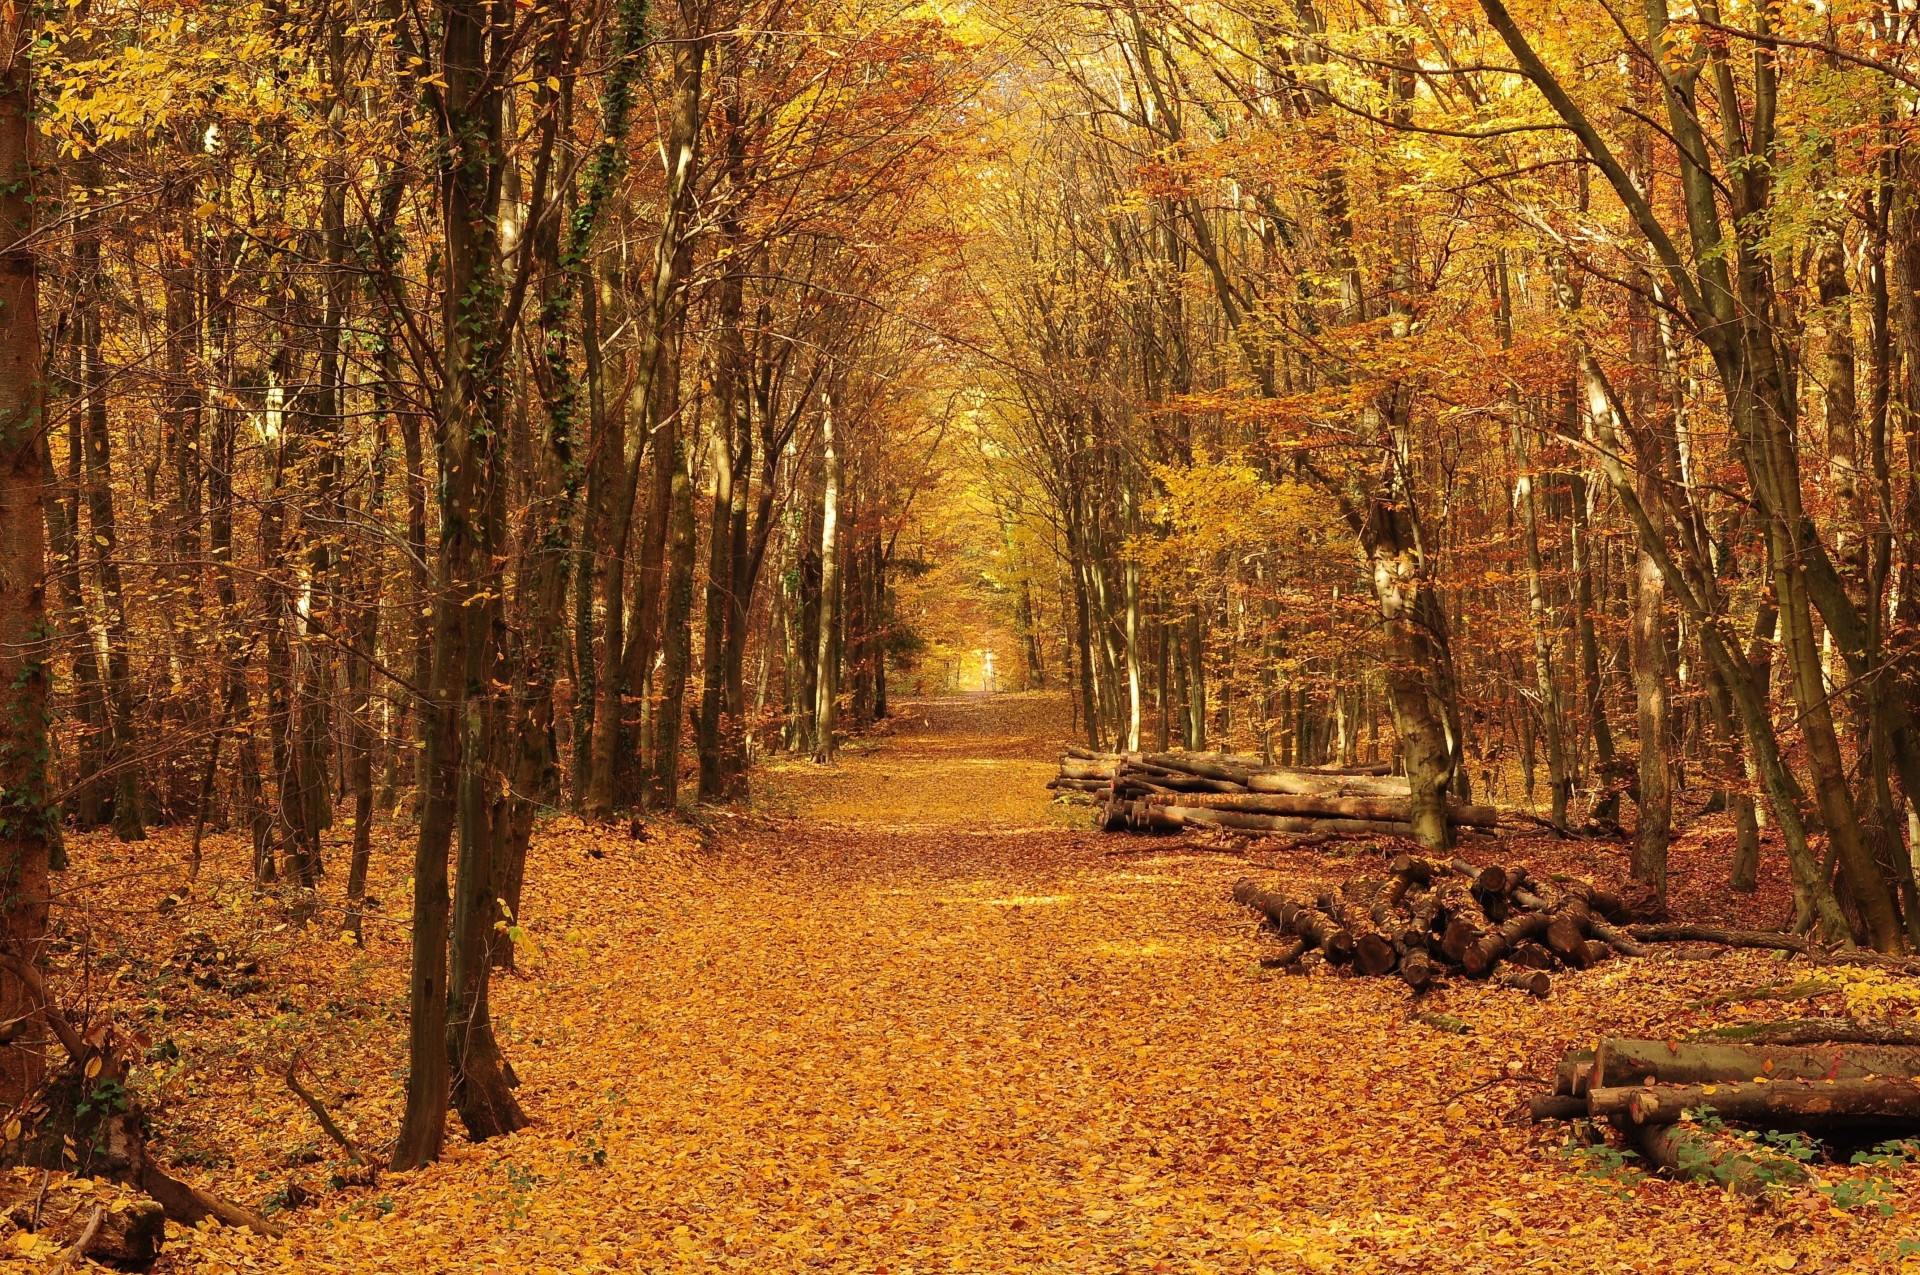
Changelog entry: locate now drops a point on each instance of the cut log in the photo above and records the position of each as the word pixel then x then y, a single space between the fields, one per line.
pixel 1604 902
pixel 1290 916
pixel 1479 958
pixel 1567 935
pixel 1085 770
pixel 1692 1156
pixel 1772 939
pixel 1790 1104
pixel 1373 952
pixel 1611 936
pixel 1533 982
pixel 1392 809
pixel 1204 765
pixel 1493 880
pixel 1419 871
pixel 1556 1106
pixel 1289 823
pixel 1174 781
pixel 1326 785
pixel 1815 1031
pixel 1640 902
pixel 1287 953
pixel 1636 1062
pixel 1571 1076
pixel 1416 969
pixel 1461 934
pixel 1531 956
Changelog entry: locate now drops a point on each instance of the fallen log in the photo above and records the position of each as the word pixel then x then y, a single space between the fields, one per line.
pixel 1773 939
pixel 1070 769
pixel 1418 871
pixel 1373 952
pixel 1289 823
pixel 1308 784
pixel 1371 769
pixel 1790 1104
pixel 1606 932
pixel 1416 969
pixel 1605 902
pixel 1391 809
pixel 1479 957
pixel 1816 1031
pixel 1692 1155
pixel 1532 956
pixel 1290 916
pixel 1206 767
pixel 1571 1076
pixel 1533 982
pixel 1556 1106
pixel 1620 1062
pixel 1174 781
pixel 1566 935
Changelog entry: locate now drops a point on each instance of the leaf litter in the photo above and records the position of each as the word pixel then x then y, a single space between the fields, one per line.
pixel 900 1019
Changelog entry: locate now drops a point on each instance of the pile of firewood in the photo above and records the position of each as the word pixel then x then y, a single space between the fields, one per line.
pixel 1165 792
pixel 1674 1102
pixel 1428 918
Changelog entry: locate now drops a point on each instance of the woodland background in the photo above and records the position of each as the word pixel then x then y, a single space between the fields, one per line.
pixel 437 417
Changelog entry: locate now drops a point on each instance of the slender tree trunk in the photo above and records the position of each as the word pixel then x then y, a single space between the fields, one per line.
pixel 449 1028
pixel 663 778
pixel 826 677
pixel 670 258
pixel 1654 827
pixel 103 531
pixel 729 432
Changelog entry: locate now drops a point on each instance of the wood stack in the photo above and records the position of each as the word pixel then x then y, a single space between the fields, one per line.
pixel 1669 1100
pixel 1165 792
pixel 1428 918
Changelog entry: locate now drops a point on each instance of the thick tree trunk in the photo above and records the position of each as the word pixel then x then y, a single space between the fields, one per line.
pixel 447 1018
pixel 27 817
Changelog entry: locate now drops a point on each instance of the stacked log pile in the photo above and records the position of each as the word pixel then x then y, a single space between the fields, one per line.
pixel 1166 792
pixel 1428 918
pixel 1669 1100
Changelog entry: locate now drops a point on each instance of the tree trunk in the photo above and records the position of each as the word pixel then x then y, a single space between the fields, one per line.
pixel 1653 829
pixel 663 778
pixel 29 817
pixel 442 1011
pixel 826 664
pixel 103 533
pixel 669 261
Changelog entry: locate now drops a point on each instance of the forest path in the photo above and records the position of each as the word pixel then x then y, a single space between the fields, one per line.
pixel 915 1018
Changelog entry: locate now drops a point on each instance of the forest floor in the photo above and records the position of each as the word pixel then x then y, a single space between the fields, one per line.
pixel 907 1015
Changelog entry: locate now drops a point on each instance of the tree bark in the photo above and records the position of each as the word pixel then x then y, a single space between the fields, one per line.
pixel 27 816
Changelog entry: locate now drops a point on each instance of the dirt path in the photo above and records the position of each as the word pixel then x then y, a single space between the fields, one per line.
pixel 934 1025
